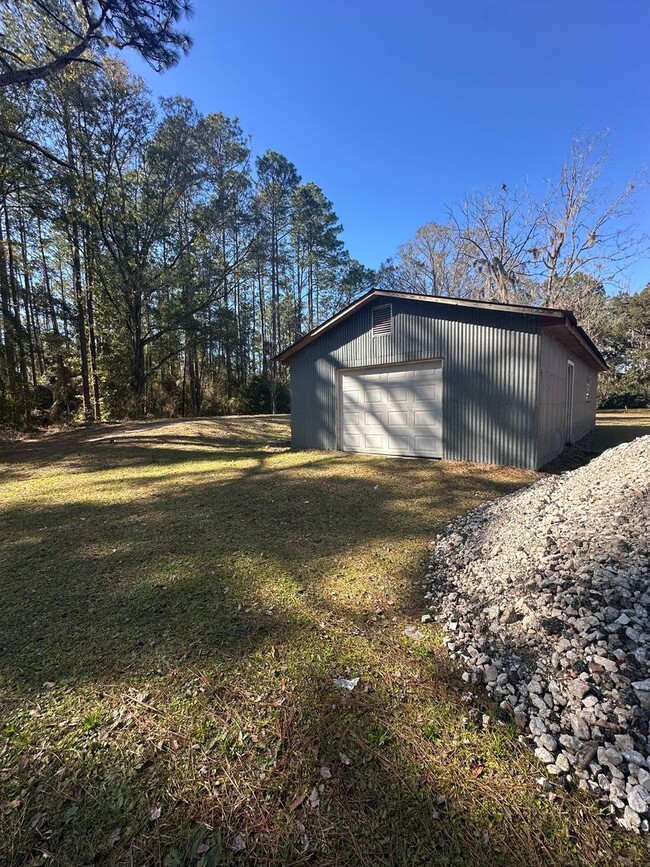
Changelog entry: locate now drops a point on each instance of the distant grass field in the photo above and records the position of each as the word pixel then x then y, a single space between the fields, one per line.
pixel 613 427
pixel 177 599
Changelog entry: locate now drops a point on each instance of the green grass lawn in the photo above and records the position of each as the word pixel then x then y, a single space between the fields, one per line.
pixel 176 601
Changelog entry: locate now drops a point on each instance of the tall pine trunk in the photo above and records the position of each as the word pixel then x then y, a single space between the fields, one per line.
pixel 77 281
pixel 8 328
pixel 27 301
pixel 88 261
pixel 138 371
pixel 80 318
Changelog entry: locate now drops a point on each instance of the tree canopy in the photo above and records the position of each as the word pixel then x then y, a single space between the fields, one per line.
pixel 151 266
pixel 43 37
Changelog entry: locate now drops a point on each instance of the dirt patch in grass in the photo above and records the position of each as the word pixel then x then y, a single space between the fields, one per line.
pixel 177 600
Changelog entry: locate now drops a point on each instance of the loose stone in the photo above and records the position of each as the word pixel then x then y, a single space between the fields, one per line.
pixel 545 598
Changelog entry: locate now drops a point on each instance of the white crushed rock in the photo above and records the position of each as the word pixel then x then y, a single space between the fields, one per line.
pixel 545 598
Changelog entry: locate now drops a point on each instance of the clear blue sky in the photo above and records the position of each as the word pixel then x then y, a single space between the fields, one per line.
pixel 397 108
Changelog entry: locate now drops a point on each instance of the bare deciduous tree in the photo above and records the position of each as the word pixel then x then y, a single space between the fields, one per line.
pixel 584 226
pixel 432 263
pixel 507 246
pixel 494 233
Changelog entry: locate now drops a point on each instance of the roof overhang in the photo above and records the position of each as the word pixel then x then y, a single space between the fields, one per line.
pixel 562 324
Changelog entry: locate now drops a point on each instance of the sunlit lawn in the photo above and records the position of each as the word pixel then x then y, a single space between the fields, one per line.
pixel 176 601
pixel 617 426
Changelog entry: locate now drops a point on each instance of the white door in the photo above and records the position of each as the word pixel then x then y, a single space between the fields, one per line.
pixel 569 403
pixel 394 410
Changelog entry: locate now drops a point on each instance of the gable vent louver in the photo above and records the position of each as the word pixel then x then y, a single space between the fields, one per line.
pixel 382 319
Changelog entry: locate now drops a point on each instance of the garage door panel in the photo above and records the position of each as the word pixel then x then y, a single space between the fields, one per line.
pixel 352 441
pixel 425 391
pixel 374 420
pixel 375 441
pixel 352 398
pixel 426 446
pixel 425 418
pixel 399 375
pixel 395 411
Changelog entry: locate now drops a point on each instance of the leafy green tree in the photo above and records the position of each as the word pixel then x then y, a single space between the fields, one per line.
pixel 355 280
pixel 43 37
pixel 144 268
pixel 626 346
pixel 318 249
pixel 20 178
pixel 229 227
pixel 137 192
pixel 277 181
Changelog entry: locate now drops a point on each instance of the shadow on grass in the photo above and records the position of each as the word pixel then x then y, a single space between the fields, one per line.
pixel 93 590
pixel 103 446
pixel 325 778
pixel 173 648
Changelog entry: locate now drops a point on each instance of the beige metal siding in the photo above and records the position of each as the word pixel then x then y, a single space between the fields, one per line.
pixel 490 363
pixel 551 433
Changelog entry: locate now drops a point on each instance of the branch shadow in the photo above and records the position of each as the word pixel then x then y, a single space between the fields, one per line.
pixel 148 637
pixel 164 575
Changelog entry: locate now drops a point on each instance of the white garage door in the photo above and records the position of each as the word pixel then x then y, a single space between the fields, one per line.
pixel 394 410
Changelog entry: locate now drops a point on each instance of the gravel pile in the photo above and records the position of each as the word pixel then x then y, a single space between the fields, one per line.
pixel 545 598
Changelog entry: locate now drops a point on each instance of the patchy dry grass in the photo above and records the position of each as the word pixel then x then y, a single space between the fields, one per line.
pixel 176 600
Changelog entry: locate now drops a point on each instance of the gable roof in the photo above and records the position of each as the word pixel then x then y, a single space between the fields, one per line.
pixel 563 323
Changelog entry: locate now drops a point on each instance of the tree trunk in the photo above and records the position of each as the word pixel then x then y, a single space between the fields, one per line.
pixel 183 390
pixel 7 317
pixel 50 312
pixel 74 237
pixel 310 294
pixel 139 375
pixel 88 260
pixel 81 319
pixel 13 288
pixel 38 340
pixel 29 325
pixel 195 379
pixel 260 288
pixel 64 302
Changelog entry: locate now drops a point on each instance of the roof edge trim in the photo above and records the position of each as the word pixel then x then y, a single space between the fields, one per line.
pixel 566 316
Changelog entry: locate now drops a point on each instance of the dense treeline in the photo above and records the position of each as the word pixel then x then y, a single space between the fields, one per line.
pixel 625 342
pixel 150 267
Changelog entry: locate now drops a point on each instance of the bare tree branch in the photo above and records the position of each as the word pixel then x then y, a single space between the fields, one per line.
pixel 37 147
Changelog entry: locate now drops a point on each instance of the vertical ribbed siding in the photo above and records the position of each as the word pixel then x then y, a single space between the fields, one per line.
pixel 551 429
pixel 489 376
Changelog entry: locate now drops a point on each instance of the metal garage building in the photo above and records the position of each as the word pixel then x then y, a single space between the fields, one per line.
pixel 427 376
